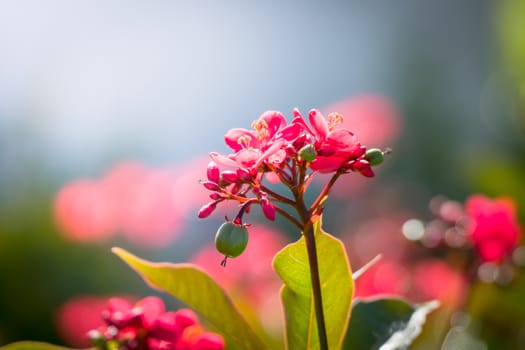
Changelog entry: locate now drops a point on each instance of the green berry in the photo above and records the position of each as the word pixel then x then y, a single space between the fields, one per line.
pixel 308 153
pixel 231 239
pixel 374 156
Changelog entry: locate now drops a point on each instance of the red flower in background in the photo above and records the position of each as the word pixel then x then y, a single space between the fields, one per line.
pixel 132 199
pixel 85 212
pixel 435 279
pixel 385 278
pixel 79 315
pixel 373 117
pixel 492 228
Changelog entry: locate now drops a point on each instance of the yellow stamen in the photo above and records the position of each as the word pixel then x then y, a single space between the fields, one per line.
pixel 244 141
pixel 261 129
pixel 334 118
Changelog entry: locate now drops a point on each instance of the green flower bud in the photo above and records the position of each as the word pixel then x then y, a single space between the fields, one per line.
pixel 231 239
pixel 374 156
pixel 308 153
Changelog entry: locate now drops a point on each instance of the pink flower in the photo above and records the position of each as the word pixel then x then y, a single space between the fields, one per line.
pixel 287 153
pixel 146 325
pixel 79 315
pixel 334 146
pixel 493 228
pixel 265 143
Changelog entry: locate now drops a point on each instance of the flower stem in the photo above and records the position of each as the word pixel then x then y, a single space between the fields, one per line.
pixel 316 284
pixel 313 262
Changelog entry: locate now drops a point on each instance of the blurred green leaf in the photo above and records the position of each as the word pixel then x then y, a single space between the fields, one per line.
pixel 512 36
pixel 199 291
pixel 337 286
pixel 385 324
pixel 32 345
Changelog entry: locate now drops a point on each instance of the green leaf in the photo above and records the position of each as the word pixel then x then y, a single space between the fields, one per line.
pixel 199 291
pixel 32 345
pixel 337 285
pixel 385 324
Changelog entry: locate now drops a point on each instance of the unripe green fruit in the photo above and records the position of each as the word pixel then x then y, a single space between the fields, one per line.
pixel 231 239
pixel 374 156
pixel 308 153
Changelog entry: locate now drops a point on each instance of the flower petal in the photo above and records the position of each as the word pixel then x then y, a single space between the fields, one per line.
pixel 318 122
pixel 232 139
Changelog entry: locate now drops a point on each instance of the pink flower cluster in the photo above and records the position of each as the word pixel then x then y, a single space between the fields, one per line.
pixel 147 326
pixel 488 225
pixel 281 150
pixel 492 227
pixel 132 199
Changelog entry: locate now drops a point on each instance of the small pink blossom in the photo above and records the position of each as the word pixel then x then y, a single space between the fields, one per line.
pixel 252 147
pixel 334 146
pixel 493 228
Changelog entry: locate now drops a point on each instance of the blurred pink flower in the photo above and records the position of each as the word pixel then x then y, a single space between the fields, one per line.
pixel 375 119
pixel 145 325
pixel 132 199
pixel 84 211
pixel 380 235
pixel 492 228
pixel 385 278
pixel 79 315
pixel 148 212
pixel 434 279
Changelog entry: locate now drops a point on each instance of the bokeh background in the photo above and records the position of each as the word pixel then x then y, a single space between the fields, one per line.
pixel 109 109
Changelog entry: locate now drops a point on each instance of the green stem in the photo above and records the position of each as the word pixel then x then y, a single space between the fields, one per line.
pixel 311 248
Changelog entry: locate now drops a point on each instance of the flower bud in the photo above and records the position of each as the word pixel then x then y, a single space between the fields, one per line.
pixel 215 196
pixel 206 210
pixel 244 175
pixel 308 153
pixel 229 176
pixel 374 156
pixel 363 167
pixel 212 186
pixel 268 209
pixel 213 172
pixel 231 239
